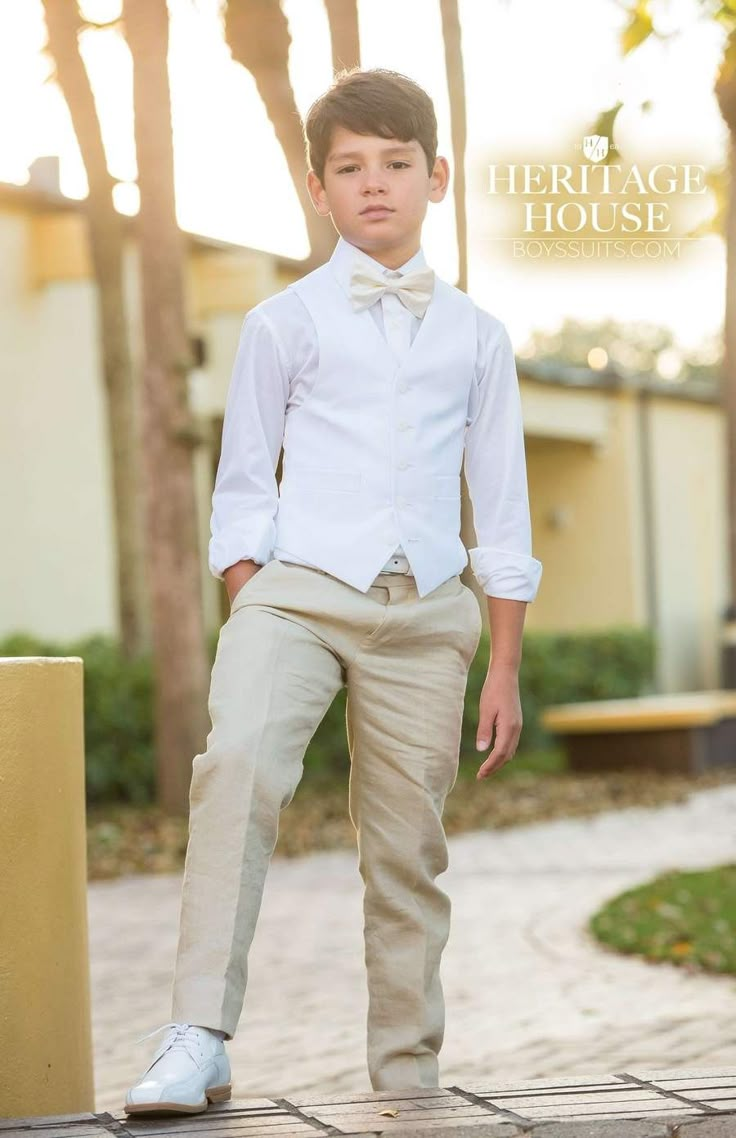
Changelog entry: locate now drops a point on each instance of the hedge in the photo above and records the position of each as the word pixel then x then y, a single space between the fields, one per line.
pixel 555 668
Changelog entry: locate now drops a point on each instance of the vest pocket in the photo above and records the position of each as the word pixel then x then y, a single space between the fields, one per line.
pixel 332 479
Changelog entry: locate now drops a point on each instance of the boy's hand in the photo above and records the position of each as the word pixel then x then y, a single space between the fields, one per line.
pixel 500 706
pixel 236 576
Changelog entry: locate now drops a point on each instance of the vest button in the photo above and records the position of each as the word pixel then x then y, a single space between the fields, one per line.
pixel 403 387
pixel 403 465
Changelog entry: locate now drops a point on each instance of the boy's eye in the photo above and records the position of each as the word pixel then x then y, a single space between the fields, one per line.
pixel 397 162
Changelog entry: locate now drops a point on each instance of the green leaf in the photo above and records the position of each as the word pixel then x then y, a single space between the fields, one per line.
pixel 639 28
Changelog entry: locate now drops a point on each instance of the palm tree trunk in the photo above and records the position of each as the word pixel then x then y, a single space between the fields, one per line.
pixel 451 36
pixel 342 17
pixel 728 402
pixel 179 643
pixel 725 91
pixel 458 128
pixel 258 37
pixel 105 230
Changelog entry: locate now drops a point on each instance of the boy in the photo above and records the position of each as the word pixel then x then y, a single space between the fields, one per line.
pixel 376 377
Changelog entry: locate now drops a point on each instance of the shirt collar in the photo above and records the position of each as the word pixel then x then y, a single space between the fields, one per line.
pixel 345 254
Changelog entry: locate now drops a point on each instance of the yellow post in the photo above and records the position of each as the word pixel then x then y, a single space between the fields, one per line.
pixel 45 1029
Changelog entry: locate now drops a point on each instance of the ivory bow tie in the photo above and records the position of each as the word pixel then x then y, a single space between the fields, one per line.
pixel 413 289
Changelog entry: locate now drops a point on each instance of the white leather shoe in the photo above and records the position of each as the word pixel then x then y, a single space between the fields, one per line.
pixel 189 1071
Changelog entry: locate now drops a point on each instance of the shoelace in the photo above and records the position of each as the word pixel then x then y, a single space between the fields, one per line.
pixel 180 1029
pixel 177 1040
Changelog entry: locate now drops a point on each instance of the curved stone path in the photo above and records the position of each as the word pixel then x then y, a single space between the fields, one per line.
pixel 529 994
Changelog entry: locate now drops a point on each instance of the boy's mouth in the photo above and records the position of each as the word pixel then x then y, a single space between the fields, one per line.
pixel 375 211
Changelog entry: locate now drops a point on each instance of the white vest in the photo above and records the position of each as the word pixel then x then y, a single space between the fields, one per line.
pixel 372 457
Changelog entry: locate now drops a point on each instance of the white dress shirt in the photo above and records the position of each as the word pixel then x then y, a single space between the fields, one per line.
pixel 276 367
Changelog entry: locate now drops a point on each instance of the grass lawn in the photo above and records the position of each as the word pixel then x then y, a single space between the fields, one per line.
pixel 686 918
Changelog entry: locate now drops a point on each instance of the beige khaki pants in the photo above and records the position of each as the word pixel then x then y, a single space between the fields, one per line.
pixel 294 637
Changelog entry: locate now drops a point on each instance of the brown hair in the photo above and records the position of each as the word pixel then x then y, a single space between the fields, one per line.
pixel 375 101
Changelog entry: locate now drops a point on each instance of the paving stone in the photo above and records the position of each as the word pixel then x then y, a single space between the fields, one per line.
pixel 83 1118
pixel 698 1076
pixel 522 1102
pixel 724 1127
pixel 444 1123
pixel 422 1096
pixel 516 1086
pixel 621 1128
pixel 582 1112
pixel 55 1130
pixel 473 1129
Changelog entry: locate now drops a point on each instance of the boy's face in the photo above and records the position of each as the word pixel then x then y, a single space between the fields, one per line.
pixel 366 171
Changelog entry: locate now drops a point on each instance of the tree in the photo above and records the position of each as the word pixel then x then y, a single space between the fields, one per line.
pixel 455 72
pixel 105 231
pixel 342 17
pixel 454 69
pixel 257 34
pixel 180 656
pixel 639 28
pixel 638 348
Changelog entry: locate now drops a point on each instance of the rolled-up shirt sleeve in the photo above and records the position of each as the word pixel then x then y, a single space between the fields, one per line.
pixel 245 496
pixel 495 470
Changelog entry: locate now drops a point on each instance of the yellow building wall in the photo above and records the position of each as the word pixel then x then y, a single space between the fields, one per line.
pixel 57 570
pixel 630 528
pixel 586 525
pixel 59 248
pixel 223 281
pixel 57 578
pixel 688 456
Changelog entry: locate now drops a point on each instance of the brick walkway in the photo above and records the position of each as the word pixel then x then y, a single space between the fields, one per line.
pixel 529 995
pixel 641 1104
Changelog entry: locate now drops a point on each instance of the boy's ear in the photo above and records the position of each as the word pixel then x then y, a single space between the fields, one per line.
pixel 317 194
pixel 440 179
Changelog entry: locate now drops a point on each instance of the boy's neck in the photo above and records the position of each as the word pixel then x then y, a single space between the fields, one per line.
pixel 394 257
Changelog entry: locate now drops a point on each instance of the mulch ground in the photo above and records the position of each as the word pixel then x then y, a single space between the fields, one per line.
pixel 126 839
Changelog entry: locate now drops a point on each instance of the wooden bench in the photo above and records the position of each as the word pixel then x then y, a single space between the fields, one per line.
pixel 679 731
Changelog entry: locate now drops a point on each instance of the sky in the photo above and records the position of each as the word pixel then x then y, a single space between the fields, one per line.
pixel 537 74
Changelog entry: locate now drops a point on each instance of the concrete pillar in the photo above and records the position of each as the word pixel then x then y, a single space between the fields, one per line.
pixel 46 1064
